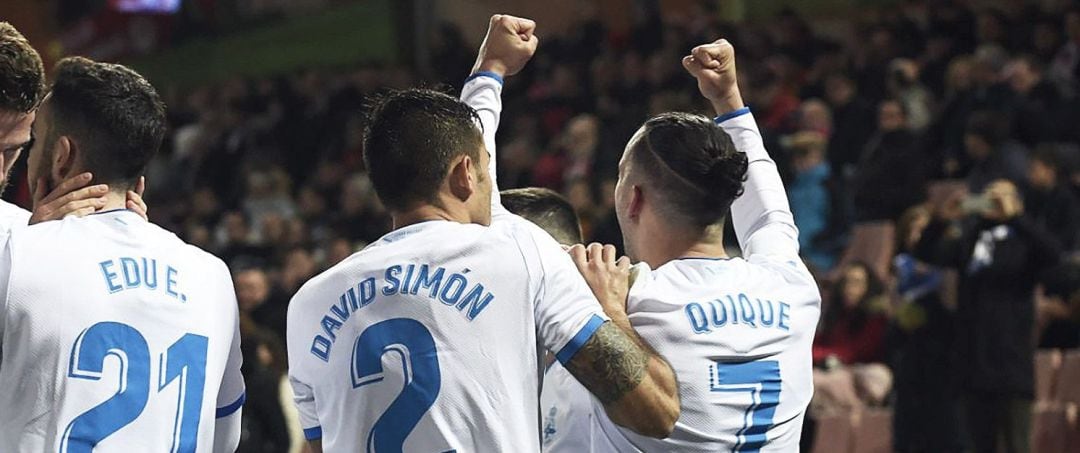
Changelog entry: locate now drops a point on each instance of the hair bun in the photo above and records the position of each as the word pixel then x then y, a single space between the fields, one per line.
pixel 726 176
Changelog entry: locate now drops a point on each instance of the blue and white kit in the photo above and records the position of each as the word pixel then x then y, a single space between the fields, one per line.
pixel 116 335
pixel 430 338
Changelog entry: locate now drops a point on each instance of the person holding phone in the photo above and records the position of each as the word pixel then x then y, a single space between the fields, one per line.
pixel 999 254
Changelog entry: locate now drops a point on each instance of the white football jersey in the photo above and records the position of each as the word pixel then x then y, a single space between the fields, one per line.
pixel 11 217
pixel 117 336
pixel 737 332
pixel 430 338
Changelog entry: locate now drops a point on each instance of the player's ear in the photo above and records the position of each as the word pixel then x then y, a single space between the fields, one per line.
pixel 637 202
pixel 64 153
pixel 462 178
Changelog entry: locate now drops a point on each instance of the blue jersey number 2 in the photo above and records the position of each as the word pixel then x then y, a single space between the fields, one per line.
pixel 414 346
pixel 184 360
pixel 762 380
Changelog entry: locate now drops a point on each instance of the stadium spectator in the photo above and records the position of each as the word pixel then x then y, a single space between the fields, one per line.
pixel 927 412
pixel 810 196
pixel 853 117
pixel 849 348
pixel 999 253
pixel 263 428
pixel 1049 201
pixel 1059 305
pixel 880 190
pixel 258 302
pixel 991 156
pixel 1036 101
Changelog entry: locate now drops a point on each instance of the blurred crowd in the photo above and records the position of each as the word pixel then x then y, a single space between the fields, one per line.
pixel 931 151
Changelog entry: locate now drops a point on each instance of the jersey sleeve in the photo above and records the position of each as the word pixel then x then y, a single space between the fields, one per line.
pixel 302 390
pixel 232 393
pixel 567 313
pixel 483 92
pixel 304 397
pixel 761 216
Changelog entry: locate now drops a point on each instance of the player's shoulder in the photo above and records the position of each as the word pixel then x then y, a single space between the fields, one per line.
pixel 791 269
pixel 527 235
pixel 13 215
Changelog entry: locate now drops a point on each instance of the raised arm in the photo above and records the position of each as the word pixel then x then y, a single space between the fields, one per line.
pixel 509 44
pixel 761 216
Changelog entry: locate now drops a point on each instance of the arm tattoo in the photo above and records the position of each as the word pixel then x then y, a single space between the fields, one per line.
pixel 610 364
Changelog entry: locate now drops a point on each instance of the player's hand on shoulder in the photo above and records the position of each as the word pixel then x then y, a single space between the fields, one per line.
pixel 607 275
pixel 713 65
pixel 509 44
pixel 74 196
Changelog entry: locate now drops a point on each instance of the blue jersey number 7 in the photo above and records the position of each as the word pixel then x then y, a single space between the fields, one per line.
pixel 761 380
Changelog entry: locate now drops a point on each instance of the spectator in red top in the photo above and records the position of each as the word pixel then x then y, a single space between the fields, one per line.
pixel 850 346
pixel 854 324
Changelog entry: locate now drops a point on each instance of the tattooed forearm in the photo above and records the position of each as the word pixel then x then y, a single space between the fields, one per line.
pixel 610 364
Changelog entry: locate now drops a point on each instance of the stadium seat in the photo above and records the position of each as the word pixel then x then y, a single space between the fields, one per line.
pixel 872 432
pixel 1068 381
pixel 1047 367
pixel 873 243
pixel 1049 428
pixel 833 434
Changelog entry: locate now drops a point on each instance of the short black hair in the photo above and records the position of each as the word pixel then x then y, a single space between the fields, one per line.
pixel 693 164
pixel 410 139
pixel 22 75
pixel 547 209
pixel 112 114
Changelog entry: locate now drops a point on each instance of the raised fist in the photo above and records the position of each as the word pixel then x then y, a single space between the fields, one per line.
pixel 713 65
pixel 509 44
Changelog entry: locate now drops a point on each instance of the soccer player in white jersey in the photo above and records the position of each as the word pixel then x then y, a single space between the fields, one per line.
pixel 116 335
pixel 22 87
pixel 738 331
pixel 430 338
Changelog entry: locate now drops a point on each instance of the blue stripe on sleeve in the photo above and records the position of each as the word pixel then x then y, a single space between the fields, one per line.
pixel 226 411
pixel 313 433
pixel 579 339
pixel 732 114
pixel 498 78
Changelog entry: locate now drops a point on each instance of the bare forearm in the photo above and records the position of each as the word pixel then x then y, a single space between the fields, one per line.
pixel 636 386
pixel 729 103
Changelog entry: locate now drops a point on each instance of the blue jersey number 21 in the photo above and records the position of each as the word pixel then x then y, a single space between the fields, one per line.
pixel 184 360
pixel 762 380
pixel 413 344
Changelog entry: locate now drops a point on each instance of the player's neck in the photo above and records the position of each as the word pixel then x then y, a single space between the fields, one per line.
pixel 674 245
pixel 427 212
pixel 113 201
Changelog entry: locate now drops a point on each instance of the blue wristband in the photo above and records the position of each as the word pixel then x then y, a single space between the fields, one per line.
pixel 498 78
pixel 732 114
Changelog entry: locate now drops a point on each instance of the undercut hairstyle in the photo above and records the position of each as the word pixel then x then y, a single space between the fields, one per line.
pixel 410 139
pixel 22 75
pixel 693 165
pixel 113 115
pixel 547 209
